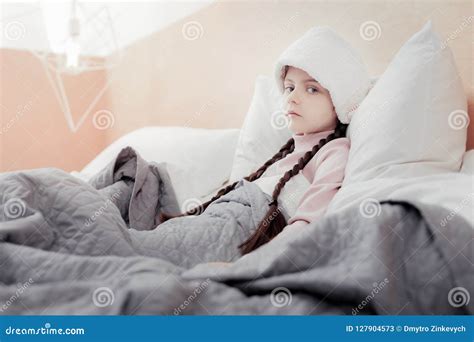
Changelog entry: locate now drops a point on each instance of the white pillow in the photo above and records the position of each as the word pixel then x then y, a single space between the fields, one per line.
pixel 264 131
pixel 468 163
pixel 405 143
pixel 413 121
pixel 199 160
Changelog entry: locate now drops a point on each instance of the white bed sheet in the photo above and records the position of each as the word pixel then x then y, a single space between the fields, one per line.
pixel 199 160
pixel 454 191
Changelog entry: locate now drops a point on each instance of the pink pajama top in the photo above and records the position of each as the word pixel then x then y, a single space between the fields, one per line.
pixel 306 196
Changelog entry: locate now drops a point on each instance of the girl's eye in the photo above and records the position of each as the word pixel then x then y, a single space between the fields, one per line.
pixel 312 89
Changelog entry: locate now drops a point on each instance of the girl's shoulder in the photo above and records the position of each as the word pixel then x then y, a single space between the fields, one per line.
pixel 333 154
pixel 339 146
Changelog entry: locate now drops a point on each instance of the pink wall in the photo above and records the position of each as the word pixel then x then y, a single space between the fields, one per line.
pixel 33 130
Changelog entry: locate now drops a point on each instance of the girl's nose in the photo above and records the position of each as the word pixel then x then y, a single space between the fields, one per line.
pixel 292 97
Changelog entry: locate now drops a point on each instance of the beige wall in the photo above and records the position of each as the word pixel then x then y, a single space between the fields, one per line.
pixel 208 82
pixel 33 130
pixel 167 79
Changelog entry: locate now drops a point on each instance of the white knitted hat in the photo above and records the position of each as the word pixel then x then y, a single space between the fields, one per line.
pixel 332 62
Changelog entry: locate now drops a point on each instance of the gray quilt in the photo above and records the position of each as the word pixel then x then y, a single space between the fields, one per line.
pixel 71 247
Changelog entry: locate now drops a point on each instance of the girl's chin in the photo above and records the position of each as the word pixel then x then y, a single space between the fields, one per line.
pixel 295 128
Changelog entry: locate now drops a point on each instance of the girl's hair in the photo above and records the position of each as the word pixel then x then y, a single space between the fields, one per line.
pixel 273 222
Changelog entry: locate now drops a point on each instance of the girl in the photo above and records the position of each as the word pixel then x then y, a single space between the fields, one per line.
pixel 322 82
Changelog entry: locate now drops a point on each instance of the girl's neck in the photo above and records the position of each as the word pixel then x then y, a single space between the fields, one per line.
pixel 306 141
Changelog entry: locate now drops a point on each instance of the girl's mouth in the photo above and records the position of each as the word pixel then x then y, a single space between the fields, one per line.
pixel 293 114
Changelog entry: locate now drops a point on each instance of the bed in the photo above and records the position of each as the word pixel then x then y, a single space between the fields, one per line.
pixel 396 239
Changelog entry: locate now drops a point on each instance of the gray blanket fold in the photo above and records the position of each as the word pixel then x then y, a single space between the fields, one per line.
pixel 71 247
pixel 141 190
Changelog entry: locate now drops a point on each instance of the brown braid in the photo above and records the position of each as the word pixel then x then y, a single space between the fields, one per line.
pixel 274 221
pixel 282 153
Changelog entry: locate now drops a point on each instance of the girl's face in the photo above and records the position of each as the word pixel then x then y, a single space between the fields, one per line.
pixel 311 103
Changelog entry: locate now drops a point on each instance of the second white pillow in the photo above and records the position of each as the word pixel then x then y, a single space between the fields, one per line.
pixel 413 121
